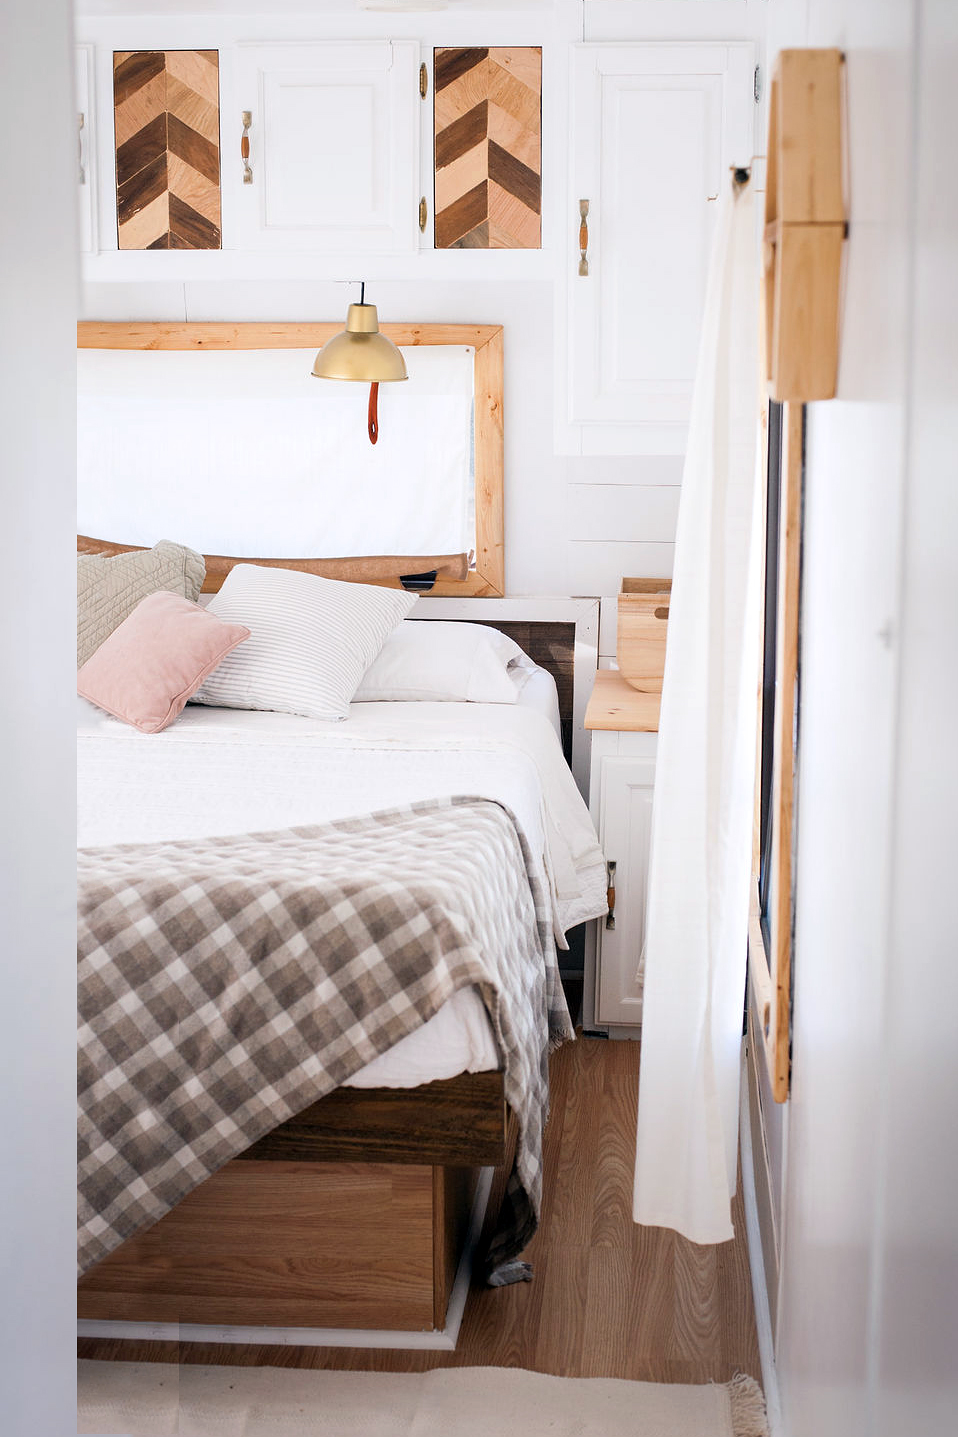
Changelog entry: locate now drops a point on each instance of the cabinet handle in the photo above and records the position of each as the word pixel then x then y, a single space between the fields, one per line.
pixel 81 121
pixel 244 147
pixel 610 895
pixel 583 237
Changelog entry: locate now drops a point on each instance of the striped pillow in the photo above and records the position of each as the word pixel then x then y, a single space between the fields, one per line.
pixel 311 640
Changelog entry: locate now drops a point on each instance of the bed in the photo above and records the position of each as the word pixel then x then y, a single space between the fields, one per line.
pixel 224 773
pixel 349 1199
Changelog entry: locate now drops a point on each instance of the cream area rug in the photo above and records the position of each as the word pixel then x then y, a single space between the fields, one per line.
pixel 126 1399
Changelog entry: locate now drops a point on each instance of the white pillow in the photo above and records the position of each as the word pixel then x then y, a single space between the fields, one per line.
pixel 444 661
pixel 311 640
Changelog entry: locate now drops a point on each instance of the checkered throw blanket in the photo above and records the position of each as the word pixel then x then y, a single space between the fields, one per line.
pixel 225 984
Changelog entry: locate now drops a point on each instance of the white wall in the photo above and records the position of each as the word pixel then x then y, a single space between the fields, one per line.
pixel 573 525
pixel 37 868
pixel 869 1296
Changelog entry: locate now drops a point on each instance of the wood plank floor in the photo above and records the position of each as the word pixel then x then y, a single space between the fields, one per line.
pixel 609 1299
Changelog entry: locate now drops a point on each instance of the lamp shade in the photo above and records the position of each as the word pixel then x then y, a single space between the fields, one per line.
pixel 360 351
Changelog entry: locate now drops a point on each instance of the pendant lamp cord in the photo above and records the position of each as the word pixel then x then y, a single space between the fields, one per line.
pixel 372 414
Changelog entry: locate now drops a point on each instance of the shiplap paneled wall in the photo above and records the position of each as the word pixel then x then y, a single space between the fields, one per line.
pixel 573 525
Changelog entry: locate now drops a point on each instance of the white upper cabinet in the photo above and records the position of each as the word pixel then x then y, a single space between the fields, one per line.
pixel 333 148
pixel 655 129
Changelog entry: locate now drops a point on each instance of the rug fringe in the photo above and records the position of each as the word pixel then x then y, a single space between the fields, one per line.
pixel 747 1407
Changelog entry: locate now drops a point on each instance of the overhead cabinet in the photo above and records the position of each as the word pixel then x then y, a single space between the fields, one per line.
pixel 655 130
pixel 330 161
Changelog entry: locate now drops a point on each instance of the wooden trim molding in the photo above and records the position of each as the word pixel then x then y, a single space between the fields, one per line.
pixel 783 794
pixel 487 578
pixel 770 969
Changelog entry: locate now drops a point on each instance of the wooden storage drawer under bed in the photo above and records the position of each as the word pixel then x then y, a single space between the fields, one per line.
pixel 353 1214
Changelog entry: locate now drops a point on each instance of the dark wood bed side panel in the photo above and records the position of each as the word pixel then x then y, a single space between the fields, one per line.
pixel 455 1121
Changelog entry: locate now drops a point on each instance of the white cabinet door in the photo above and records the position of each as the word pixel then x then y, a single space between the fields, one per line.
pixel 655 129
pixel 334 147
pixel 86 149
pixel 625 784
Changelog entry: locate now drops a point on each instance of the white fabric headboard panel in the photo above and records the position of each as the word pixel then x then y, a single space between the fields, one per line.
pixel 243 451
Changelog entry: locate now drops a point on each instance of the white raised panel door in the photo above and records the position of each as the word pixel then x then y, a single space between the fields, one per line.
pixel 655 130
pixel 334 147
pixel 86 150
pixel 626 782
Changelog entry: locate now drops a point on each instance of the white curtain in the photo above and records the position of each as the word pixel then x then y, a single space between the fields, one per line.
pixel 702 813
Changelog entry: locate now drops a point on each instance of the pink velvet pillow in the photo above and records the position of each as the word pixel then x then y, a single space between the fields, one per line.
pixel 156 660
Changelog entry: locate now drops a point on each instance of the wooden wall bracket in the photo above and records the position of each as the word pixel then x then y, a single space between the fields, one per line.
pixel 805 225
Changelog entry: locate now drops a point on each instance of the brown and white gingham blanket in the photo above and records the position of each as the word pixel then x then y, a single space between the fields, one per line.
pixel 225 984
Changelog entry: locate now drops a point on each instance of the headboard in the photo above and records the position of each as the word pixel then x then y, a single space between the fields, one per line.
pixel 454 577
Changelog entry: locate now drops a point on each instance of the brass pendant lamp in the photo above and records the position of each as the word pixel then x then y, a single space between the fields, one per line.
pixel 361 353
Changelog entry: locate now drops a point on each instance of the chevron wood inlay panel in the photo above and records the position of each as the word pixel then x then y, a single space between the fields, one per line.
pixel 166 111
pixel 488 133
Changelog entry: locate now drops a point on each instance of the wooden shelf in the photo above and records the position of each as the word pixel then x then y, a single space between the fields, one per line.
pixel 615 705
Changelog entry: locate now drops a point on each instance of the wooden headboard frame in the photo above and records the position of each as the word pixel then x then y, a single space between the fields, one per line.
pixel 487 579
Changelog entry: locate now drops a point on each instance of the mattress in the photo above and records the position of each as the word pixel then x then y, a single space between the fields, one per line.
pixel 537 691
pixel 219 772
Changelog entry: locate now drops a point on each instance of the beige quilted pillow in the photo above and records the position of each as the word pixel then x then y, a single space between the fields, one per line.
pixel 109 587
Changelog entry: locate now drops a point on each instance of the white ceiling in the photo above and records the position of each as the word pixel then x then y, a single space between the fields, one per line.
pixel 298 7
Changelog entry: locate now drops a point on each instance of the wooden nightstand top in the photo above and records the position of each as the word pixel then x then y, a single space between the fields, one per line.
pixel 616 705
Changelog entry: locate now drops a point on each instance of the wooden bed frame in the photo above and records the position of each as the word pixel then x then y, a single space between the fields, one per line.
pixel 352 1215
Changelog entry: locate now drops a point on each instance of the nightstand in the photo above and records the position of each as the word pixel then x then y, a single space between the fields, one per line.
pixel 624 725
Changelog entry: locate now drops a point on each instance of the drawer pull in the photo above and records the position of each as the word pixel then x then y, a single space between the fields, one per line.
pixel 244 147
pixel 610 895
pixel 583 237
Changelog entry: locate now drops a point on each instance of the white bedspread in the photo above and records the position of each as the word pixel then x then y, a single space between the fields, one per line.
pixel 219 771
